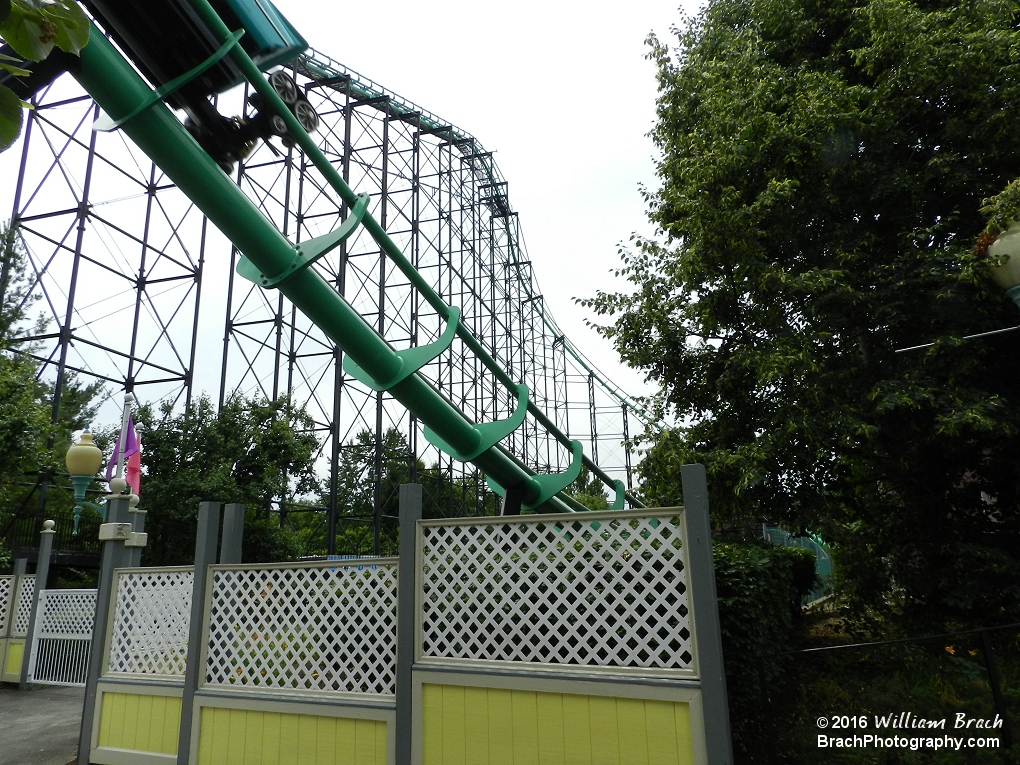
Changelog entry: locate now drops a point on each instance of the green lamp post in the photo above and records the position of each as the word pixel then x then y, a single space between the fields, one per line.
pixel 83 462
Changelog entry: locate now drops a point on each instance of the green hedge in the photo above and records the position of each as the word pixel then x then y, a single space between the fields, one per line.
pixel 760 589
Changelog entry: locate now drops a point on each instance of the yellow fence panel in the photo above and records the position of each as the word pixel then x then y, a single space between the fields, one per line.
pixel 140 722
pixel 251 737
pixel 463 725
pixel 12 660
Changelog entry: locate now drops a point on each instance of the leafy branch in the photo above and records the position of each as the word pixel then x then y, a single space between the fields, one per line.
pixel 32 28
pixel 1003 209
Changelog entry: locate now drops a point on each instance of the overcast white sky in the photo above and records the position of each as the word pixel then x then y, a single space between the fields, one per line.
pixel 559 90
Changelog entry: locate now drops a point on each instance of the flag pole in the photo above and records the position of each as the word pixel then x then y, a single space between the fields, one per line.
pixel 122 443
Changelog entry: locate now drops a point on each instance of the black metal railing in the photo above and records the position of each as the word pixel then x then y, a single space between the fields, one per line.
pixel 24 532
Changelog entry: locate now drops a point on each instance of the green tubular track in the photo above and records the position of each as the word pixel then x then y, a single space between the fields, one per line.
pixel 120 92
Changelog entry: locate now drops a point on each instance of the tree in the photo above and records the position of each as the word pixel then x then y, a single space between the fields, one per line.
pixel 34 432
pixel 823 165
pixel 24 420
pixel 24 426
pixel 32 441
pixel 252 451
pixel 589 491
pixel 356 497
pixel 443 495
pixel 447 495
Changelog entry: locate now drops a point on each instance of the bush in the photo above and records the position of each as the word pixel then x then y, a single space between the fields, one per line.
pixel 760 589
pixel 266 542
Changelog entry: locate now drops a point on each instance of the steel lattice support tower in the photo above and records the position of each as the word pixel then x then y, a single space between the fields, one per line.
pixel 129 272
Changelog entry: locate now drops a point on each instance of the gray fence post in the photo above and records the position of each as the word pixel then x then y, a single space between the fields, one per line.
pixel 206 544
pixel 42 572
pixel 114 555
pixel 705 605
pixel 20 566
pixel 137 525
pixel 233 533
pixel 410 513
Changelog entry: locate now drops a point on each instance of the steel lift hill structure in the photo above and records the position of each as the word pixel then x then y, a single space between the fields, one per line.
pixel 377 274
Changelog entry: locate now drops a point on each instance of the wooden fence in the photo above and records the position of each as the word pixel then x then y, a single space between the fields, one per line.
pixel 581 638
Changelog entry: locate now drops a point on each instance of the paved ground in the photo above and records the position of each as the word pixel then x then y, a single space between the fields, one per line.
pixel 39 726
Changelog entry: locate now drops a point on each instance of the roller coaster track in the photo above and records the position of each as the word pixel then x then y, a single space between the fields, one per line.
pixel 329 73
pixel 477 226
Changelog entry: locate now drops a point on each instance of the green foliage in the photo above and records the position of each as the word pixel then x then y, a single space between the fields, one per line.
pixel 760 589
pixel 932 679
pixel 24 424
pixel 355 497
pixel 24 421
pixel 589 491
pixel 1003 209
pixel 443 495
pixel 250 451
pixel 68 578
pixel 823 166
pixel 358 467
pixel 32 441
pixel 32 28
pixel 24 418
pixel 266 541
pixel 16 296
pixel 456 496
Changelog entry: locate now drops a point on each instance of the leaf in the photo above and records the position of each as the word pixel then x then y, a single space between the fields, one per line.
pixel 23 31
pixel 5 11
pixel 11 117
pixel 72 25
pixel 17 71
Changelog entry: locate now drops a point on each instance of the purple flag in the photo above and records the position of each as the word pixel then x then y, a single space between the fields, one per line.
pixel 128 445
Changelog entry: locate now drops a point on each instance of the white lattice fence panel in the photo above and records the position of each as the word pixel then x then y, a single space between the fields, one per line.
pixel 151 620
pixel 595 593
pixel 23 606
pixel 6 585
pixel 66 614
pixel 329 628
pixel 60 652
